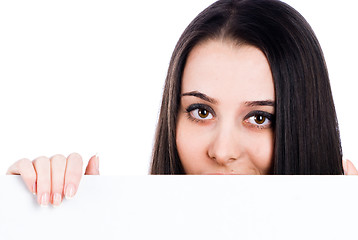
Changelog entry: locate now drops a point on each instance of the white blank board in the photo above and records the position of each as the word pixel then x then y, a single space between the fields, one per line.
pixel 187 207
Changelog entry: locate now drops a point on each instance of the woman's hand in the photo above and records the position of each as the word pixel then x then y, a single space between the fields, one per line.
pixel 349 168
pixel 55 177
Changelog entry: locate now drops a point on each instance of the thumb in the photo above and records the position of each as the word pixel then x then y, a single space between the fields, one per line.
pixel 92 166
pixel 349 168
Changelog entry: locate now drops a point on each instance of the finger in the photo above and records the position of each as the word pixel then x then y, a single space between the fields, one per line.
pixel 43 170
pixel 351 169
pixel 92 166
pixel 58 167
pixel 73 174
pixel 344 164
pixel 27 171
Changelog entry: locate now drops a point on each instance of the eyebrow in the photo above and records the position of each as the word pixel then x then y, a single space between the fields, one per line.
pixel 260 103
pixel 201 96
pixel 212 100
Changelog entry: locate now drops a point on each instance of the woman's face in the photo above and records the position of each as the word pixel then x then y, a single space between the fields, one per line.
pixel 227 110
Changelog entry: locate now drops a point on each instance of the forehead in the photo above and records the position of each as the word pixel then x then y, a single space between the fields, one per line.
pixel 228 72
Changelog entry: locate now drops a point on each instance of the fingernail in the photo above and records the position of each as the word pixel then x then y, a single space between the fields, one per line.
pixel 34 189
pixel 56 199
pixel 44 200
pixel 70 191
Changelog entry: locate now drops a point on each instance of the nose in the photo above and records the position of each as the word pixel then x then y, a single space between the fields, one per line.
pixel 225 146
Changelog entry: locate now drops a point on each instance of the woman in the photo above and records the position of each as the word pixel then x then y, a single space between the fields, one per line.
pixel 305 142
pixel 247 92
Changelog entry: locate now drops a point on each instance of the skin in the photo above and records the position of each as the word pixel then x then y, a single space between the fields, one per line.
pixel 229 140
pixel 55 177
pixel 220 136
pixel 227 143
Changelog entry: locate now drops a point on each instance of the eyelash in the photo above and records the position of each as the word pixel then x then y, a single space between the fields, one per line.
pixel 268 116
pixel 197 106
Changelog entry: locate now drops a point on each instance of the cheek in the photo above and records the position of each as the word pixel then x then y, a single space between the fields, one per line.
pixel 191 146
pixel 261 152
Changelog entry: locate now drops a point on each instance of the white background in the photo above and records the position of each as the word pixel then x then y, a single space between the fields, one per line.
pixel 187 207
pixel 87 76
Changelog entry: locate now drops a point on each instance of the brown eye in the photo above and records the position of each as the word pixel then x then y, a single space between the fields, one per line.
pixel 203 113
pixel 259 119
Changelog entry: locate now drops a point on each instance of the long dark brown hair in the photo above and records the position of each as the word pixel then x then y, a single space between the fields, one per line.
pixel 307 138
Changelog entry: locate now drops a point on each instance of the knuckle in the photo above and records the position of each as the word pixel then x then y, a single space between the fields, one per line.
pixel 58 157
pixel 73 177
pixel 23 166
pixel 30 177
pixel 75 157
pixel 22 163
pixel 42 168
pixel 41 160
pixel 44 180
